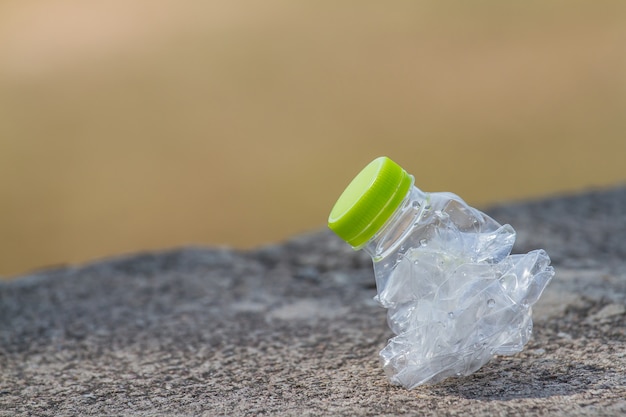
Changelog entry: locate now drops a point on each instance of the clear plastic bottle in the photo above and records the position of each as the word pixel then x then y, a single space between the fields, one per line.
pixel 455 295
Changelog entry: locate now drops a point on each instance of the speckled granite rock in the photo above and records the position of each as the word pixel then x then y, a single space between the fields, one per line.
pixel 292 330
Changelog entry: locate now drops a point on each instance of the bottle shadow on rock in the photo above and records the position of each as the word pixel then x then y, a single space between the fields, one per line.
pixel 506 379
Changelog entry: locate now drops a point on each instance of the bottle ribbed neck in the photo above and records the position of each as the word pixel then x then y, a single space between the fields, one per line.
pixel 399 225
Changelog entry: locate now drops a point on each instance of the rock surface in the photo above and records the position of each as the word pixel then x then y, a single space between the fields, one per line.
pixel 292 329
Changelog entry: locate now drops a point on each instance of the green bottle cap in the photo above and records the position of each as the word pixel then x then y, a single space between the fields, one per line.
pixel 369 201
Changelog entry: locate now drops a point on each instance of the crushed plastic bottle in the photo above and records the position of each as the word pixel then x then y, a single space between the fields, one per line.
pixel 455 295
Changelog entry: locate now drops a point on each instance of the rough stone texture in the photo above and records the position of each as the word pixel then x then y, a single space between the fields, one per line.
pixel 292 330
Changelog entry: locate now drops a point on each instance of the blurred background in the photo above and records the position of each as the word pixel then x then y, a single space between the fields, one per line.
pixel 147 124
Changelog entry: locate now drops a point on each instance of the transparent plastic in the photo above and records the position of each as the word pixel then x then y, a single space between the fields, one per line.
pixel 455 295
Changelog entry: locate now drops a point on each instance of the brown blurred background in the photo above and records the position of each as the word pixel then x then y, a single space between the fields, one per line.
pixel 134 125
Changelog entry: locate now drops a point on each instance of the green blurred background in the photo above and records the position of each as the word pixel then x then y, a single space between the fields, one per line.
pixel 136 125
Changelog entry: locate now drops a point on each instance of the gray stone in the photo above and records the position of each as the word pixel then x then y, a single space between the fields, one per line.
pixel 292 329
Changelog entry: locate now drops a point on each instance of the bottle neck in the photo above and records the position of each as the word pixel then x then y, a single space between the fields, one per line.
pixel 399 224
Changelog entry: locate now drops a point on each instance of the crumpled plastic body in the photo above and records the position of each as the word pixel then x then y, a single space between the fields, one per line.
pixel 455 295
